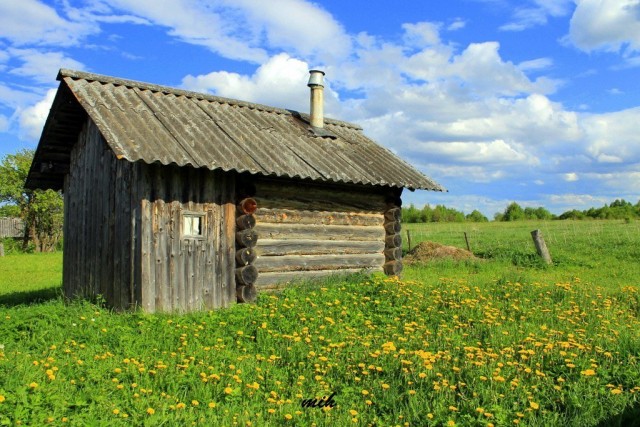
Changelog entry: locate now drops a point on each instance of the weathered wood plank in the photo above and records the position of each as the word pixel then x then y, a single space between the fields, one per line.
pixel 318 232
pixel 288 195
pixel 277 279
pixel 289 216
pixel 274 247
pixel 227 254
pixel 317 262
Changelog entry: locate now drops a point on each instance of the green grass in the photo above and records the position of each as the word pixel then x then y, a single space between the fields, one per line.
pixel 29 278
pixel 504 340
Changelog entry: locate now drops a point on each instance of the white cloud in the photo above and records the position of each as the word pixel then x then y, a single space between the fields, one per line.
pixel 535 64
pixel 570 177
pixel 4 123
pixel 246 29
pixel 422 34
pixel 577 201
pixel 32 22
pixel 607 25
pixel 42 66
pixel 32 118
pixel 297 25
pixel 613 137
pixel 537 13
pixel 281 81
pixel 14 98
pixel 457 24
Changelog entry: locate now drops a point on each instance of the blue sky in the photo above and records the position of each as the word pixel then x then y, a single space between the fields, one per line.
pixel 534 101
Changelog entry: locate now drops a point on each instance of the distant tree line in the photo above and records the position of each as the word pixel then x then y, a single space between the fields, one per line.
pixel 439 213
pixel 618 209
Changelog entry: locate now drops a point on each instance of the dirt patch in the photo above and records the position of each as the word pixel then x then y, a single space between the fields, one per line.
pixel 427 251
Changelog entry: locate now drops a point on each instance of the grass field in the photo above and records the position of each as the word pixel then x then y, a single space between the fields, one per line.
pixel 501 341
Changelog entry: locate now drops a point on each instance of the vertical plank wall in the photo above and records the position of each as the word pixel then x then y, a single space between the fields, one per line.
pixel 184 273
pixel 98 230
pixel 123 236
pixel 310 230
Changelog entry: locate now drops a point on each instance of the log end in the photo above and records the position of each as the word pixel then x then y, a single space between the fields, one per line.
pixel 246 293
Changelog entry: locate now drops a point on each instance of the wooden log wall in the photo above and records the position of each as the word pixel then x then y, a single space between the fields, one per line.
pixel 393 238
pixel 246 238
pixel 183 272
pixel 100 227
pixel 309 230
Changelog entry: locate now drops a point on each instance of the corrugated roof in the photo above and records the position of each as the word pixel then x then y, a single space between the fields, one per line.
pixel 150 123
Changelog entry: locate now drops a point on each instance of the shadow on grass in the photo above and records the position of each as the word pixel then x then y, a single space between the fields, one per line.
pixel 30 297
pixel 628 418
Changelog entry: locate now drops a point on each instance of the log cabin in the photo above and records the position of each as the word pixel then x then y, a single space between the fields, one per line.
pixel 182 201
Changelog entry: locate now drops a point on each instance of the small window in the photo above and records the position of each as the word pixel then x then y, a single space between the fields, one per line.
pixel 193 225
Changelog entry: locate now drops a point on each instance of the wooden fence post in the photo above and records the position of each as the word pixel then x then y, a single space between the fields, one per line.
pixel 466 239
pixel 409 240
pixel 1 249
pixel 541 246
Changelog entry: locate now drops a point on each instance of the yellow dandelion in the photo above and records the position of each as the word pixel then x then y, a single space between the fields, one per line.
pixel 271 411
pixel 368 402
pixel 151 411
pixel 195 403
pixel 33 385
pixel 385 386
pixel 288 416
pixel 116 411
pixel 588 373
pixel 181 405
pixel 212 405
pixel 616 391
pixel 534 405
pixel 228 390
pixel 2 398
pixel 353 412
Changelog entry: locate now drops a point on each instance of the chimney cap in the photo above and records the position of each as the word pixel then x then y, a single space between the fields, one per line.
pixel 316 78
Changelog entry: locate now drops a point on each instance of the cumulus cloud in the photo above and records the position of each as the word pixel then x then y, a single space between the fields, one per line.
pixel 281 82
pixel 606 25
pixel 613 137
pixel 33 22
pixel 32 118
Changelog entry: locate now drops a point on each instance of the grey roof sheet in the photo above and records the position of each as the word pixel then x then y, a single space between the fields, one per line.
pixel 150 123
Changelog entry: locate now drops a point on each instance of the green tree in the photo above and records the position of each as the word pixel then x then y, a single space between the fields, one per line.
pixel 41 211
pixel 476 216
pixel 513 212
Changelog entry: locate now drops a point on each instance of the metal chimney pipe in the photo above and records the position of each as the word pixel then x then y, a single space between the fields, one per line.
pixel 316 83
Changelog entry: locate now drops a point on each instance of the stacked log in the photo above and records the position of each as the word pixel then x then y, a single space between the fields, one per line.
pixel 246 238
pixel 393 240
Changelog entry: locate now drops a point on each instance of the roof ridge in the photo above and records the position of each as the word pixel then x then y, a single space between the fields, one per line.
pixel 74 74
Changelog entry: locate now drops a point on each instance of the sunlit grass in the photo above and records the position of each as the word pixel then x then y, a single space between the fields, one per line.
pixel 470 344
